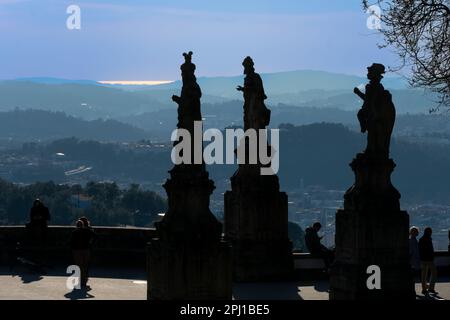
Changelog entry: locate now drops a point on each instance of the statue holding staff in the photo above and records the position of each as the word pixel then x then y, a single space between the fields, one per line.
pixel 377 115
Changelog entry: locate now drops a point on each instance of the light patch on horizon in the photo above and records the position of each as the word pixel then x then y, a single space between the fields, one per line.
pixel 136 82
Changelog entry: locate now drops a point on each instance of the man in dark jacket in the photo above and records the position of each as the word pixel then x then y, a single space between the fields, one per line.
pixel 37 229
pixel 314 246
pixel 39 214
pixel 426 252
pixel 80 243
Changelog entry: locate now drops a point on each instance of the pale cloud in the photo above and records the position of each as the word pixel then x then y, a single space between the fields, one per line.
pixel 7 2
pixel 142 41
pixel 117 8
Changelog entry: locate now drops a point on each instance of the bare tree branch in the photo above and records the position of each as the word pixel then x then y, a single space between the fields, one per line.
pixel 419 31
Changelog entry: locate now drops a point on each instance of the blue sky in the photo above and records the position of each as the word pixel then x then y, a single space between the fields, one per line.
pixel 143 40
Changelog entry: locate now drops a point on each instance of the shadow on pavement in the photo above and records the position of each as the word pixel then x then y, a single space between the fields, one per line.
pixel 267 291
pixel 79 294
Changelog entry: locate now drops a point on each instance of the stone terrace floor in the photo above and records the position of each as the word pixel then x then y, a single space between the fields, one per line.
pixel 128 284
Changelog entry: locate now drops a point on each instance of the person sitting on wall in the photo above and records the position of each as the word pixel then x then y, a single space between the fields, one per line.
pixel 314 246
pixel 80 243
pixel 37 229
pixel 39 215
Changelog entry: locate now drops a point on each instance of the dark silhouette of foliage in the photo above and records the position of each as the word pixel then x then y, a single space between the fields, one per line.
pixel 104 203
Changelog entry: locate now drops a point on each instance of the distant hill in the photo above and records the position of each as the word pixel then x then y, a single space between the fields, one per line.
pixel 305 88
pixel 320 155
pixel 50 80
pixel 285 82
pixel 405 100
pixel 229 113
pixel 35 125
pixel 83 100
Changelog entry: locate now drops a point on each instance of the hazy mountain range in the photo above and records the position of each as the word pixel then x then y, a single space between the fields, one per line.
pixel 91 100
pixel 38 125
pixel 18 126
pixel 298 97
pixel 284 82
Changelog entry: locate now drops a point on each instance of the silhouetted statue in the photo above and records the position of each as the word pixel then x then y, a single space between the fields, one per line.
pixel 256 212
pixel 377 115
pixel 371 229
pixel 256 115
pixel 189 101
pixel 189 258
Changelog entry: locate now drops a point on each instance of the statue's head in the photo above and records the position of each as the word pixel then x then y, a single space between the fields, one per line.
pixel 248 65
pixel 187 68
pixel 375 72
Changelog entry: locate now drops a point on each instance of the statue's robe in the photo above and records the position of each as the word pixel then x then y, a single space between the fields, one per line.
pixel 256 114
pixel 377 115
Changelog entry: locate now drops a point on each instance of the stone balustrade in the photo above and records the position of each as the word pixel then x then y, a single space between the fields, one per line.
pixel 126 246
pixel 118 246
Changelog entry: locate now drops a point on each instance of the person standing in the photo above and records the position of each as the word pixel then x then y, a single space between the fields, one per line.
pixel 414 255
pixel 426 252
pixel 80 242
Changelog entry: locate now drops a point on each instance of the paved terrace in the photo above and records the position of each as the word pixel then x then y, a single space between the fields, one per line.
pixel 130 284
pixel 118 270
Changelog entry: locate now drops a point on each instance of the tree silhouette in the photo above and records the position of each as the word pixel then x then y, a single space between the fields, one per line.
pixel 420 33
pixel 109 205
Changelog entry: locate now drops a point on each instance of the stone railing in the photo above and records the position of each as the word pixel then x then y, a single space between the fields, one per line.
pixel 120 246
pixel 303 262
pixel 117 246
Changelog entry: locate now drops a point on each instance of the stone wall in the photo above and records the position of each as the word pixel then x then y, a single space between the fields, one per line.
pixel 304 261
pixel 115 246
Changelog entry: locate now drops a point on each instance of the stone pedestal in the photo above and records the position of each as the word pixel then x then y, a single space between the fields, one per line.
pixel 189 259
pixel 256 224
pixel 371 230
